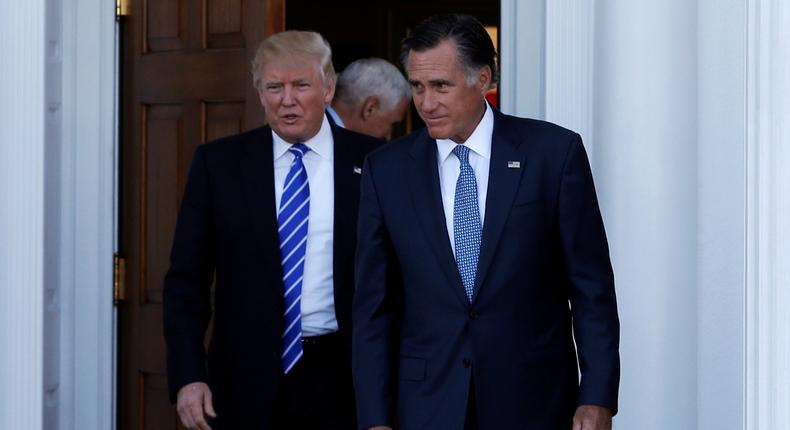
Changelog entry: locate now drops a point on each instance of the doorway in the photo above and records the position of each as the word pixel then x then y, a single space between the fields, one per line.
pixel 185 81
pixel 363 28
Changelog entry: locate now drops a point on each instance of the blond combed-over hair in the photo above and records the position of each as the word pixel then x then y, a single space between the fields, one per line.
pixel 294 46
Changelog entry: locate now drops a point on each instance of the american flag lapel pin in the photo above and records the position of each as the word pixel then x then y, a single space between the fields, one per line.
pixel 513 164
pixel 357 170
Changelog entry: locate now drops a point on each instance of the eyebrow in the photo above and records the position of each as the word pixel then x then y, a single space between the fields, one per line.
pixel 432 82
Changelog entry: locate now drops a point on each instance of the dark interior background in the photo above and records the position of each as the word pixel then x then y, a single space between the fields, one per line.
pixel 366 28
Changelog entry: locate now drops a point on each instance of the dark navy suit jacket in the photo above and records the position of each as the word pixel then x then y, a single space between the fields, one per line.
pixel 543 277
pixel 227 233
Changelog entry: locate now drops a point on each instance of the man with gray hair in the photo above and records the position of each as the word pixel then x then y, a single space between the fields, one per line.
pixel 269 217
pixel 484 286
pixel 371 97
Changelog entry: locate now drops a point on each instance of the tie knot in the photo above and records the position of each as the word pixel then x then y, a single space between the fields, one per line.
pixel 298 149
pixel 462 152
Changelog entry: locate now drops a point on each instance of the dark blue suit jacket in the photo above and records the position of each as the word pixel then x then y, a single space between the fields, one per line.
pixel 544 276
pixel 227 233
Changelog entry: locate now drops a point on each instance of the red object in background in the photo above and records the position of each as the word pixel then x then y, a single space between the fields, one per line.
pixel 491 97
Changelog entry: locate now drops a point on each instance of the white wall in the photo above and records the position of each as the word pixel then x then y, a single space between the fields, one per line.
pixel 645 116
pixel 658 91
pixel 57 214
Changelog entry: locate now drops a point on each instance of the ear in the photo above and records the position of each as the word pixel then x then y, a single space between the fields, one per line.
pixel 369 106
pixel 330 91
pixel 484 79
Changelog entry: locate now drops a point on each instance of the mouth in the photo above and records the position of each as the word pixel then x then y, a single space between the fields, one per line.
pixel 290 118
pixel 434 121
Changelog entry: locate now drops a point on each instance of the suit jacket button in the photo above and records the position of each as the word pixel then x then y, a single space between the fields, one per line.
pixel 474 315
pixel 467 363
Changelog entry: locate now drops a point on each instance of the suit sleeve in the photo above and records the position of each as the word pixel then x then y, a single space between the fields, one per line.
pixel 186 296
pixel 591 282
pixel 374 312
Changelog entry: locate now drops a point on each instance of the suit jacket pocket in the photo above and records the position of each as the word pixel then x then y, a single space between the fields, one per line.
pixel 528 202
pixel 411 369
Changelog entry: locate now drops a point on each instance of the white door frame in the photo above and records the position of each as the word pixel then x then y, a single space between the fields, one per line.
pixel 88 227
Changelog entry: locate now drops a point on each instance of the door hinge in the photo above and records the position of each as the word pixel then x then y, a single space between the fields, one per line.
pixel 118 279
pixel 123 8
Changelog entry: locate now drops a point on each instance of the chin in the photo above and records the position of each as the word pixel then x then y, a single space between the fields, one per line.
pixel 437 134
pixel 291 135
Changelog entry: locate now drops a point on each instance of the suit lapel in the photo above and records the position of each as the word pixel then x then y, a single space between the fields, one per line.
pixel 503 182
pixel 346 192
pixel 424 184
pixel 258 171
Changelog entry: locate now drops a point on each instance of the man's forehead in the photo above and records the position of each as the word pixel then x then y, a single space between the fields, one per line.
pixel 432 64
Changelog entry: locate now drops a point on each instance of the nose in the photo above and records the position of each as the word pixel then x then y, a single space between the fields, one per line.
pixel 429 102
pixel 288 96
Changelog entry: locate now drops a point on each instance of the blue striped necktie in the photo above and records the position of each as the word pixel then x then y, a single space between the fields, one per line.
pixel 466 222
pixel 292 228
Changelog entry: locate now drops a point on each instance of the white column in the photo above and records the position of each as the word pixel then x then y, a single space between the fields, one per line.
pixel 768 216
pixel 22 149
pixel 721 203
pixel 570 36
pixel 645 115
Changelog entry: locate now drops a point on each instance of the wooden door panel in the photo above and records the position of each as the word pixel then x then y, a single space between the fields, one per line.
pixel 163 128
pixel 193 76
pixel 222 118
pixel 156 413
pixel 164 26
pixel 224 28
pixel 186 80
pixel 155 410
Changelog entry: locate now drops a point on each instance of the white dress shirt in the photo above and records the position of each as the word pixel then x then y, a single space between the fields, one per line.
pixel 318 301
pixel 479 144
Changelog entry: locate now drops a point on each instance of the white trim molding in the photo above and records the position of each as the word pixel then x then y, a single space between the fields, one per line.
pixel 22 209
pixel 768 219
pixel 88 215
pixel 522 62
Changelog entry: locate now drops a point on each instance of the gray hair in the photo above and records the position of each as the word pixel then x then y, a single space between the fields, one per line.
pixel 372 77
pixel 290 46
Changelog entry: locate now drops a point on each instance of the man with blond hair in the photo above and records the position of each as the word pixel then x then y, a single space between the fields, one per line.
pixel 269 216
pixel 371 97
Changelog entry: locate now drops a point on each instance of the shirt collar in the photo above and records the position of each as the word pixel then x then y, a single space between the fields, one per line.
pixel 322 143
pixel 479 141
pixel 335 116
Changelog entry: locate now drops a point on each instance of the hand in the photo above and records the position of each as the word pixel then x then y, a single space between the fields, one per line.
pixel 589 417
pixel 192 400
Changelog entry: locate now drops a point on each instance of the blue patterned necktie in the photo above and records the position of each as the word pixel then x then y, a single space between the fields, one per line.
pixel 292 228
pixel 466 222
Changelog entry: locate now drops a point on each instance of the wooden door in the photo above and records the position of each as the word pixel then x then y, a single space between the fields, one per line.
pixel 185 80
